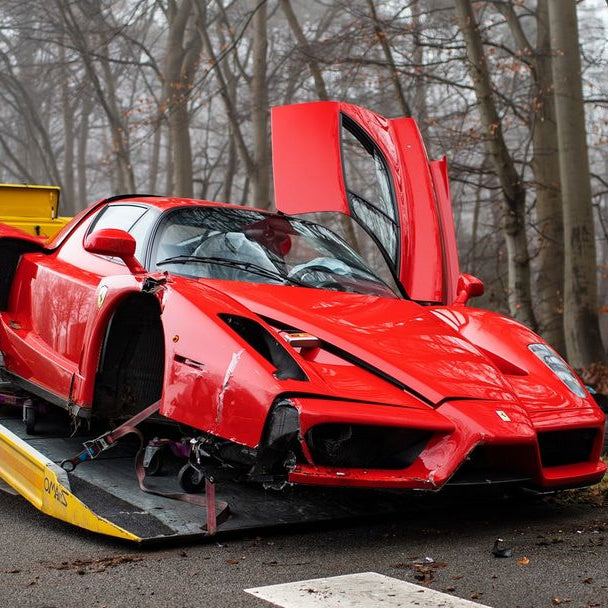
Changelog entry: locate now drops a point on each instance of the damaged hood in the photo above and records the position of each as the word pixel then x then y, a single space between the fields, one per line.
pixel 398 338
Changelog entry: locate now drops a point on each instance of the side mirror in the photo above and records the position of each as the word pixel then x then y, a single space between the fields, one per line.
pixel 115 243
pixel 468 287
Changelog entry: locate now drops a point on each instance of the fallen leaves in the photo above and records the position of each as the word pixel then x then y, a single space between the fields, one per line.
pixel 596 374
pixel 89 566
pixel 424 571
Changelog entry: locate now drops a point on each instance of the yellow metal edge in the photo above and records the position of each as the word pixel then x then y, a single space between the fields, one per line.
pixel 44 227
pixel 35 186
pixel 46 486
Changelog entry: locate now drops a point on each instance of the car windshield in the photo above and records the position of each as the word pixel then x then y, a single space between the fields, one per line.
pixel 247 245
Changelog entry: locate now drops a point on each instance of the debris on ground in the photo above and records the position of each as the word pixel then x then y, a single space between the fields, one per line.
pixel 424 570
pixel 89 566
pixel 500 549
pixel 545 541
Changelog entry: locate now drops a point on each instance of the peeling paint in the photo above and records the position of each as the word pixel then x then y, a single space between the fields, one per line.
pixel 227 376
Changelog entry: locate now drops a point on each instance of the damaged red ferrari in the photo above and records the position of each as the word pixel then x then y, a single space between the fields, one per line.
pixel 283 351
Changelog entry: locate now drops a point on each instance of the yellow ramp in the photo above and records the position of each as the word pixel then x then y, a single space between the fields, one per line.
pixel 46 486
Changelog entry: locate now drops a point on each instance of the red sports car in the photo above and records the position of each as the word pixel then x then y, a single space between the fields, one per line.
pixel 277 346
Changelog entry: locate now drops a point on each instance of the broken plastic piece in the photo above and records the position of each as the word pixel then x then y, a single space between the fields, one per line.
pixel 499 550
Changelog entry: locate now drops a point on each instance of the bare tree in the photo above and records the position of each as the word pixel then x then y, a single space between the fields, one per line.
pixel 545 165
pixel 259 107
pixel 581 323
pixel 513 219
pixel 390 62
pixel 181 60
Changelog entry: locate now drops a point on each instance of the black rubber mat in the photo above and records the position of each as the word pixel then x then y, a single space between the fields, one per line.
pixel 118 511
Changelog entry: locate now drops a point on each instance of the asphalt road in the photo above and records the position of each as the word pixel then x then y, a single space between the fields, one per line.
pixel 560 557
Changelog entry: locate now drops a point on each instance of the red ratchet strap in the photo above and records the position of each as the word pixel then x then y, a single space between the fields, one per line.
pixel 217 511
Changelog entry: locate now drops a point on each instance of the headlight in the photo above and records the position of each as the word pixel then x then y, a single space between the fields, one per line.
pixel 558 366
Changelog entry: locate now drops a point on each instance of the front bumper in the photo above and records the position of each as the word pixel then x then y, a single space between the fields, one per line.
pixel 470 442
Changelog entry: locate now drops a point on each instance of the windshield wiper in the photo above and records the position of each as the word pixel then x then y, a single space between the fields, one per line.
pixel 241 265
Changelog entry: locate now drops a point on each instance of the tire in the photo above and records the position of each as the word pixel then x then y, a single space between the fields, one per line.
pixel 191 480
pixel 155 466
pixel 29 419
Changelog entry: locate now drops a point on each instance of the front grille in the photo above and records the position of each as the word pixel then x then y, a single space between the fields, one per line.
pixel 489 464
pixel 365 447
pixel 559 448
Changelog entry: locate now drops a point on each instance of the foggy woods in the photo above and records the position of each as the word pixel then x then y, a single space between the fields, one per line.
pixel 172 97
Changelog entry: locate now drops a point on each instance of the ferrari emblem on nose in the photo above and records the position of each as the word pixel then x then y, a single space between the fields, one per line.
pixel 503 416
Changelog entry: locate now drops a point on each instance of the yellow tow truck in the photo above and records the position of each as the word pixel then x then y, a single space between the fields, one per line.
pixel 34 209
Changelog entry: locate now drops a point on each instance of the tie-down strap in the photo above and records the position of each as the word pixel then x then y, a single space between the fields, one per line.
pixel 217 511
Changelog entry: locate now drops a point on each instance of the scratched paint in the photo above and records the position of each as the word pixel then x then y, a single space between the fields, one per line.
pixel 227 376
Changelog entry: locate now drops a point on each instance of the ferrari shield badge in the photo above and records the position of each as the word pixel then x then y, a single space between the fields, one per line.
pixel 101 295
pixel 503 416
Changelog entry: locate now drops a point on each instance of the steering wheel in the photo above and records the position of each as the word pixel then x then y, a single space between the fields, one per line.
pixel 306 274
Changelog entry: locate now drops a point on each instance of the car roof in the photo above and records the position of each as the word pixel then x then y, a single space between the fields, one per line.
pixel 162 203
pixel 169 202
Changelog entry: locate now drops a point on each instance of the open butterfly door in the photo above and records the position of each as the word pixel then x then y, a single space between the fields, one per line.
pixel 333 156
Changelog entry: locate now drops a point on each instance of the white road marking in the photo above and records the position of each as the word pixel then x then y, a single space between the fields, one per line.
pixel 362 590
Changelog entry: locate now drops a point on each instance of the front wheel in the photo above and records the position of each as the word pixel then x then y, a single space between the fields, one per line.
pixel 191 480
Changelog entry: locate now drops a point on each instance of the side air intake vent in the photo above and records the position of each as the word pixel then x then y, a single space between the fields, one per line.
pixel 260 339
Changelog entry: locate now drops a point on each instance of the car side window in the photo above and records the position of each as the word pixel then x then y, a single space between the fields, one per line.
pixel 122 217
pixel 369 186
pixel 140 229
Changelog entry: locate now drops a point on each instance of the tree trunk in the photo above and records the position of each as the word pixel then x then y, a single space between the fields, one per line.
pixel 155 156
pixel 390 62
pixel 181 60
pixel 420 93
pixel 313 64
pixel 513 220
pixel 83 138
pixel 125 178
pixel 260 109
pixel 545 164
pixel 581 324
pixel 225 90
pixel 67 198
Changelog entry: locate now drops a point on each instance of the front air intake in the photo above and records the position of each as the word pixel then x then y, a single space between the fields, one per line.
pixel 365 447
pixel 558 448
